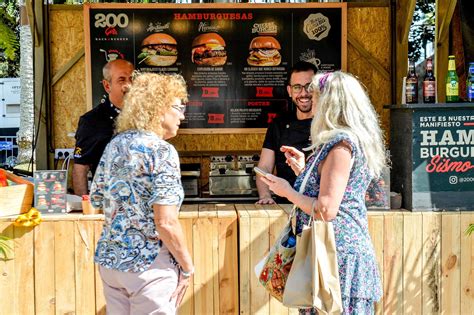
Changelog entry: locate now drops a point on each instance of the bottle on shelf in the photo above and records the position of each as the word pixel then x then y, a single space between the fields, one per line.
pixel 470 83
pixel 452 82
pixel 429 83
pixel 411 87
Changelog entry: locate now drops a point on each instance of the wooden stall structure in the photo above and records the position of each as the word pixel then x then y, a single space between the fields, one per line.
pixel 426 262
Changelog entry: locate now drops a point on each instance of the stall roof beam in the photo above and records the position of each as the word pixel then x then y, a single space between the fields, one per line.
pixel 404 17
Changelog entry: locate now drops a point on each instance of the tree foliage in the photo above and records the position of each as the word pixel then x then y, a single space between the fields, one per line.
pixel 9 39
pixel 422 29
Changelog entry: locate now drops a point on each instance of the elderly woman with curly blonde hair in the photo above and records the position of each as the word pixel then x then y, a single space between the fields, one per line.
pixel 143 259
pixel 350 151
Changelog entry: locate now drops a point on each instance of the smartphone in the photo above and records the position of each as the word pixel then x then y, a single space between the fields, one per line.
pixel 259 171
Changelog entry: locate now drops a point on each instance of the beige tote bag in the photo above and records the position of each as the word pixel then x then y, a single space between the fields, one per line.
pixel 313 280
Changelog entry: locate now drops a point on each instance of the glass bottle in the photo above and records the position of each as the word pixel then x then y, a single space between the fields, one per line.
pixel 411 87
pixel 470 83
pixel 429 83
pixel 452 82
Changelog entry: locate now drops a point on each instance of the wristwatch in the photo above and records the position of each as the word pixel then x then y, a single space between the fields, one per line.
pixel 186 274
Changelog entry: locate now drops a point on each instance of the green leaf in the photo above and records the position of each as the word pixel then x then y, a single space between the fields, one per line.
pixel 8 41
pixel 6 248
pixel 142 55
pixel 470 229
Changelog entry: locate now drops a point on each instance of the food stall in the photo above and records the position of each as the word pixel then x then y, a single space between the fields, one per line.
pixel 425 259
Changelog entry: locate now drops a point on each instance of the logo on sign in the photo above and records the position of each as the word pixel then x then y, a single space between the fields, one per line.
pixel 264 91
pixel 453 180
pixel 210 92
pixel 111 20
pixel 109 23
pixel 316 26
pixel 215 118
pixel 157 27
pixel 269 28
pixel 310 56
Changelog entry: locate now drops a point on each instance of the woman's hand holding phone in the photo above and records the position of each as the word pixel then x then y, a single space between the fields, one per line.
pixel 259 171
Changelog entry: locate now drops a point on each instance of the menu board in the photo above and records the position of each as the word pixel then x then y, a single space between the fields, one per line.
pixel 235 58
pixel 50 191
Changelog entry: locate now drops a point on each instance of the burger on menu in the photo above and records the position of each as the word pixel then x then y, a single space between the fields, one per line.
pixel 209 49
pixel 264 52
pixel 158 49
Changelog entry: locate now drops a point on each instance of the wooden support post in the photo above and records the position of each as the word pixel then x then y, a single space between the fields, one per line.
pixel 444 14
pixel 405 9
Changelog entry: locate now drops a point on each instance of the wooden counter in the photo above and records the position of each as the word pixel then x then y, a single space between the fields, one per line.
pixel 426 261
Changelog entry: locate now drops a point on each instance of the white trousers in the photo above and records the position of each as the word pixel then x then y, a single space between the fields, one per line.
pixel 147 292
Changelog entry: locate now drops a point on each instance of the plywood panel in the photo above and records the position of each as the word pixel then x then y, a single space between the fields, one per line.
pixel 99 288
pixel 203 263
pixel 412 263
pixel 7 275
pixel 467 265
pixel 219 143
pixel 370 26
pixel 24 270
pixel 228 260
pixel 259 246
pixel 66 36
pixel 450 269
pixel 376 226
pixel 393 264
pixel 244 259
pixel 84 261
pixel 69 103
pixel 64 256
pixel 431 264
pixel 187 305
pixel 44 268
pixel 68 95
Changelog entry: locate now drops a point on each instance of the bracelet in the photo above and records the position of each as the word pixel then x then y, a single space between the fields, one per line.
pixel 314 211
pixel 186 274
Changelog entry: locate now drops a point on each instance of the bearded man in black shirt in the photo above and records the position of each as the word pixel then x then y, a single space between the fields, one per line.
pixel 290 129
pixel 96 127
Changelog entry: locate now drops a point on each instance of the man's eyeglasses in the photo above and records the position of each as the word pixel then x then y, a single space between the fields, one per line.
pixel 298 88
pixel 180 108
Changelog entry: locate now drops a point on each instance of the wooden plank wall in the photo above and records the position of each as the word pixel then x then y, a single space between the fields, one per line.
pixel 426 261
pixel 53 271
pixel 368 57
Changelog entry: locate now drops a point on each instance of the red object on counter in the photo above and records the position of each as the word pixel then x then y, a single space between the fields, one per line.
pixel 3 179
pixel 85 197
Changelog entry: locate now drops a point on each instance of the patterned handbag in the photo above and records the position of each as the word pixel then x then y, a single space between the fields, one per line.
pixel 272 271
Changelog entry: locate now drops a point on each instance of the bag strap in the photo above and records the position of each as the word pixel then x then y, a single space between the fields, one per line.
pixel 305 181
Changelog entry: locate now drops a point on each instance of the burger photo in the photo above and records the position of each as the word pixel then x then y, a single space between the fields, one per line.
pixel 159 50
pixel 208 49
pixel 264 51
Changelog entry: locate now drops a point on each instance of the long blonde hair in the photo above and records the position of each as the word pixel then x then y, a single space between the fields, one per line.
pixel 344 107
pixel 147 100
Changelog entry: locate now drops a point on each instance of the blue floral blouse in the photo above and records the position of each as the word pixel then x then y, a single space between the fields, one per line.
pixel 137 170
pixel 358 269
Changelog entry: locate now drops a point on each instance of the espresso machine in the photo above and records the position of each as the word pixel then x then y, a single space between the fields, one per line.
pixel 232 175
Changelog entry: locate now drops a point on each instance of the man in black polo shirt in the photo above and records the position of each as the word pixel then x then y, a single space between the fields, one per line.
pixel 96 127
pixel 291 129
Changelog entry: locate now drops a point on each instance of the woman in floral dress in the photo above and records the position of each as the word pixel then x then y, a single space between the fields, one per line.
pixel 346 131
